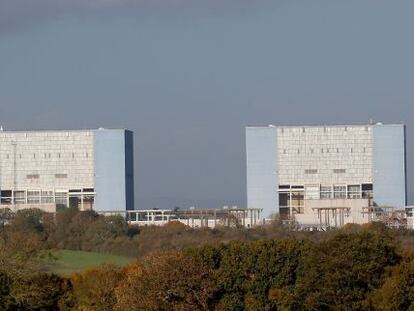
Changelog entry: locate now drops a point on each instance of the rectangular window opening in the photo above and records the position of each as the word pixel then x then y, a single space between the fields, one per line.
pixel 32 176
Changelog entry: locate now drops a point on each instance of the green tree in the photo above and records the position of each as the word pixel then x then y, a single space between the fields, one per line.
pixel 27 221
pixel 249 274
pixel 102 230
pixel 342 270
pixel 6 300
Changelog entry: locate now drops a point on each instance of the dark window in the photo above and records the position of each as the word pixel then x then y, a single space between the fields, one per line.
pixel 367 187
pixel 6 196
pixel 284 186
pixel 32 176
pixel 61 175
pixel 284 213
pixel 74 202
pixel 283 199
pixel 367 191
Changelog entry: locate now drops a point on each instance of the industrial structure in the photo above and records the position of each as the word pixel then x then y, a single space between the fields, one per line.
pixel 327 176
pixel 86 169
pixel 409 212
pixel 194 217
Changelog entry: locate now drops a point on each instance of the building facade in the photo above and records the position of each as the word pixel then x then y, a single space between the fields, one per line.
pixel 326 173
pixel 87 169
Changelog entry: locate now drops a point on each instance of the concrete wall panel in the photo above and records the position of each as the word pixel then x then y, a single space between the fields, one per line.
pixel 110 179
pixel 389 165
pixel 262 169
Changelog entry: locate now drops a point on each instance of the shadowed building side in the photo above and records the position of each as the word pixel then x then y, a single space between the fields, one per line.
pixel 262 170
pixel 114 170
pixel 389 176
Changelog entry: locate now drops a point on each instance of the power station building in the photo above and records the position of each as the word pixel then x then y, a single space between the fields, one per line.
pixel 87 169
pixel 330 175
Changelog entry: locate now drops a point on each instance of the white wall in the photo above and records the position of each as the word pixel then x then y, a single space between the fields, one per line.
pixel 46 154
pixel 325 149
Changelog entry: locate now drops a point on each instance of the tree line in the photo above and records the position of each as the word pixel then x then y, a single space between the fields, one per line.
pixel 355 268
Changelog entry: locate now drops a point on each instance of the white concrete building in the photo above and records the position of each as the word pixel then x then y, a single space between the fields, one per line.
pixel 326 175
pixel 77 168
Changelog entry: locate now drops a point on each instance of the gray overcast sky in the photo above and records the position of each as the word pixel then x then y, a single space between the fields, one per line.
pixel 187 76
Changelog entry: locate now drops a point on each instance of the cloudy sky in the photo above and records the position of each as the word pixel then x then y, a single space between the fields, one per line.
pixel 188 75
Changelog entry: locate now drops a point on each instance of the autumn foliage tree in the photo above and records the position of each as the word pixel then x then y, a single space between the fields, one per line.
pixel 167 281
pixel 94 289
pixel 397 293
pixel 182 268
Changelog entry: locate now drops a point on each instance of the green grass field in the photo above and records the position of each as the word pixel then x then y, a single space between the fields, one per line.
pixel 66 262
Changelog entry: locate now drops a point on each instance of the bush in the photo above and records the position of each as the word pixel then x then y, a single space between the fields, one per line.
pixel 167 281
pixel 40 291
pixel 397 293
pixel 95 289
pixel 342 270
pixel 6 300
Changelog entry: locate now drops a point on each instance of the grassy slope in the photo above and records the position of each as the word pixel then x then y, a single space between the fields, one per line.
pixel 69 261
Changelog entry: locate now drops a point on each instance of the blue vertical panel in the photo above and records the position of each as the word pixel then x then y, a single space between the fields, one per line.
pixel 110 177
pixel 262 167
pixel 129 169
pixel 389 166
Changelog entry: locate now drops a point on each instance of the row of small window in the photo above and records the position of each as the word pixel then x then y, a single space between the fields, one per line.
pixel 324 187
pixel 48 135
pixel 327 150
pixel 37 176
pixel 42 196
pixel 312 129
pixel 343 192
pixel 46 156
pixel 327 192
pixel 335 171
